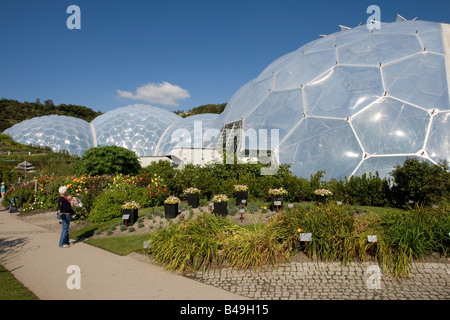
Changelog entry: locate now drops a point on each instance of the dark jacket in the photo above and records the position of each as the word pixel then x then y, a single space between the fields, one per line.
pixel 64 206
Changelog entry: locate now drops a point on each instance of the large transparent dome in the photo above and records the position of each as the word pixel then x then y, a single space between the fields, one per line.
pixel 60 133
pixel 134 127
pixel 354 101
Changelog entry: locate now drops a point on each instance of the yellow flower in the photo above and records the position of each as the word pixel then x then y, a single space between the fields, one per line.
pixel 299 230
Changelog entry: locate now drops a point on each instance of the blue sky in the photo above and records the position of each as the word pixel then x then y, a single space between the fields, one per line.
pixel 174 54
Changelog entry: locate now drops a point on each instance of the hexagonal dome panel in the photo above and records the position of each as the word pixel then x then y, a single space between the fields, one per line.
pixel 420 80
pixel 321 143
pixel 57 132
pixel 343 91
pixel 438 145
pixel 389 126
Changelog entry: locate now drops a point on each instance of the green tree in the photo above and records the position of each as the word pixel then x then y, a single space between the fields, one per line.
pixel 420 181
pixel 108 160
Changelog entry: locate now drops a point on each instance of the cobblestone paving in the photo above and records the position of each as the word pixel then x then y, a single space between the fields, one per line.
pixel 332 281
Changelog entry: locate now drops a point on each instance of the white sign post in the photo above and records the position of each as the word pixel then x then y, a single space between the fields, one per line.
pixel 125 218
pixel 372 239
pixel 147 244
pixel 306 237
pixel 241 211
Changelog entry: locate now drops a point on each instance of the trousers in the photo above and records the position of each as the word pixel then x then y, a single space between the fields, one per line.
pixel 64 239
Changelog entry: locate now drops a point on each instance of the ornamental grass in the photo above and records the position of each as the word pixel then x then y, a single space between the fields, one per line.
pixel 338 234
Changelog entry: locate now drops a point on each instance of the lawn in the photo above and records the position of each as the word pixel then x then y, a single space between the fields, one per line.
pixel 120 245
pixel 12 289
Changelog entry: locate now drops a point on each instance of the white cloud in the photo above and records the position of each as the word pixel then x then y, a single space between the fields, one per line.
pixel 163 93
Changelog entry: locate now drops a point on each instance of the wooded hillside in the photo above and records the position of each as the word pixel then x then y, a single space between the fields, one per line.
pixel 12 111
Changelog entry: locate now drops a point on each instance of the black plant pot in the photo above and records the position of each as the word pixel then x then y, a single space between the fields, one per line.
pixel 132 216
pixel 241 195
pixel 170 210
pixel 221 208
pixel 275 201
pixel 192 199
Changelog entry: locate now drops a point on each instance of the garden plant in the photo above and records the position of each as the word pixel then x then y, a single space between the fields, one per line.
pixel 414 221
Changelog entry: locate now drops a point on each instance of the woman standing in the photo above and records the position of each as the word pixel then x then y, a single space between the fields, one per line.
pixel 65 211
pixel 3 190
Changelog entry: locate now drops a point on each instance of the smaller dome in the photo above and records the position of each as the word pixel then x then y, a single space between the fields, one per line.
pixel 136 127
pixel 60 133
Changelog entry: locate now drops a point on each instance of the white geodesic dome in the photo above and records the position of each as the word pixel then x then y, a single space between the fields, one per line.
pixel 354 102
pixel 134 127
pixel 60 133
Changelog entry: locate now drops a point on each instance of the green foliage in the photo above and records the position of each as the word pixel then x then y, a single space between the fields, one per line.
pixel 208 108
pixel 193 245
pixel 421 230
pixel 108 160
pixel 12 111
pixel 108 205
pixel 165 171
pixel 421 182
pixel 365 190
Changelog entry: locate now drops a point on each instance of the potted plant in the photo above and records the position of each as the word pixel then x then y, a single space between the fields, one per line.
pixel 277 198
pixel 241 193
pixel 220 204
pixel 323 194
pixel 171 207
pixel 130 212
pixel 192 196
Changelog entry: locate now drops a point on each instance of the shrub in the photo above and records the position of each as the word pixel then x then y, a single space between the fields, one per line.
pixel 420 181
pixel 108 160
pixel 108 205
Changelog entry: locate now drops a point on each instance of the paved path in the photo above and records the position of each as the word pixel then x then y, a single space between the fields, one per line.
pixel 32 254
pixel 332 281
pixel 28 247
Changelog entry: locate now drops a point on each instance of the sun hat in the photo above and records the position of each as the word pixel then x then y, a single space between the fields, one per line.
pixel 62 190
